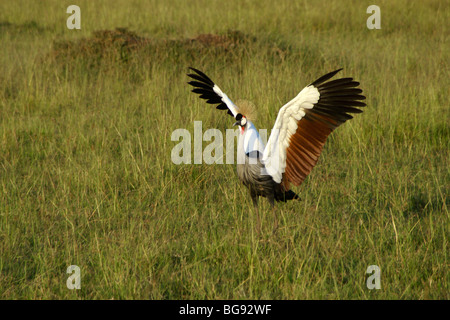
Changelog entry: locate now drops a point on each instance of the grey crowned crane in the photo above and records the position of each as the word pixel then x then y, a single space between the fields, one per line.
pixel 297 138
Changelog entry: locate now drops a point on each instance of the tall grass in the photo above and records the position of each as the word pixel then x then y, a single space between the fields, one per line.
pixel 86 177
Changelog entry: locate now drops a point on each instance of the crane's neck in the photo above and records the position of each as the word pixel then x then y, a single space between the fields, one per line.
pixel 249 140
pixel 241 148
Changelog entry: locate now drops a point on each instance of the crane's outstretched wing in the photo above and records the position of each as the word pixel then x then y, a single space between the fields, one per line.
pixel 209 91
pixel 303 125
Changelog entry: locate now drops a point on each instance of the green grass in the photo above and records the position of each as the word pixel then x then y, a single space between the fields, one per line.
pixel 86 177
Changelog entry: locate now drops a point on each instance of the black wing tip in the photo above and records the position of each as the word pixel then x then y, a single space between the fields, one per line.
pixel 202 75
pixel 195 70
pixel 203 86
pixel 191 74
pixel 325 77
pixel 339 98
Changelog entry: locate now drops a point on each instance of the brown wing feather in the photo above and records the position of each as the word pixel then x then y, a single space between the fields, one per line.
pixel 298 162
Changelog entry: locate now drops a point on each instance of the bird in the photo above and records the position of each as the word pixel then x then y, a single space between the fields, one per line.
pixel 297 138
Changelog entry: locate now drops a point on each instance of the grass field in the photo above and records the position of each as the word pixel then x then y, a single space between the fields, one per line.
pixel 86 176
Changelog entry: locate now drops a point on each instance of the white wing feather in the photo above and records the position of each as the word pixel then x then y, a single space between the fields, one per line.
pixel 226 100
pixel 274 157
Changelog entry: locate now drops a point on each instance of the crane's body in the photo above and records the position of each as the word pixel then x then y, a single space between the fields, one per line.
pixel 252 172
pixel 297 138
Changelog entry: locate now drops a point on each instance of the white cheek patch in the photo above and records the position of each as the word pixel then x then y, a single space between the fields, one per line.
pixel 243 121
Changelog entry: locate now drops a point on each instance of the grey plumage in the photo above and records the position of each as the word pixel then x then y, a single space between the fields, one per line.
pixel 259 184
pixel 250 174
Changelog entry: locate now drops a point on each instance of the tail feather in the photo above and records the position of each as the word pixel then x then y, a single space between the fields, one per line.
pixel 285 196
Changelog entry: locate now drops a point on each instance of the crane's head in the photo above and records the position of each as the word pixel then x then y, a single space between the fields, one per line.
pixel 241 121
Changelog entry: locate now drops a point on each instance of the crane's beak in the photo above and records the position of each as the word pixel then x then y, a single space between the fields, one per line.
pixel 236 123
